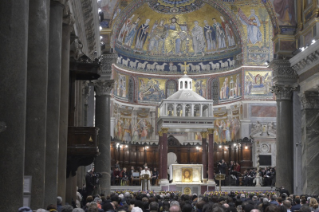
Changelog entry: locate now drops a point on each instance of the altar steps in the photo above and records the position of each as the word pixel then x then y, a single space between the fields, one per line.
pixel 224 188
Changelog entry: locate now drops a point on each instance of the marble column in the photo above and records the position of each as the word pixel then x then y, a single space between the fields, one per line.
pixel 14 42
pixel 211 156
pixel 297 143
pixel 64 106
pixel 284 164
pixel 102 121
pixel 37 83
pixel 53 102
pixel 285 80
pixel 204 154
pixel 164 179
pixel 160 147
pixel 310 142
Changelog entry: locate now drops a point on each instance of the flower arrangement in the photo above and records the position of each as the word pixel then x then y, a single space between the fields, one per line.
pixel 224 193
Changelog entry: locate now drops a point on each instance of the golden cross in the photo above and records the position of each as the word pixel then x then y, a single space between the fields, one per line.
pixel 185 65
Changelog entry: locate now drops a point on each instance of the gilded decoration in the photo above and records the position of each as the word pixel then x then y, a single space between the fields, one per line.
pixel 120 85
pixel 155 42
pixel 176 6
pixel 199 86
pixel 187 175
pixel 258 30
pixel 258 85
pixel 230 88
pixel 151 90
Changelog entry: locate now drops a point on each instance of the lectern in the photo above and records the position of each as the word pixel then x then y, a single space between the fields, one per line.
pixel 220 177
pixel 145 179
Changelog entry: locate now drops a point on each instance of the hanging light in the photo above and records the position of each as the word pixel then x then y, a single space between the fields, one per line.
pixel 220 146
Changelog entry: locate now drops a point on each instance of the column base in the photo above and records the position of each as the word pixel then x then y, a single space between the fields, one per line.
pixel 211 182
pixel 163 182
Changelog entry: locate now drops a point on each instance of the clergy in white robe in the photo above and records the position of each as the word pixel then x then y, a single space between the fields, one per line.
pixel 145 171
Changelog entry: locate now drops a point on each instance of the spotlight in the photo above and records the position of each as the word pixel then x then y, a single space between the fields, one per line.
pixel 246 147
pixel 220 146
pixel 235 144
pixel 126 146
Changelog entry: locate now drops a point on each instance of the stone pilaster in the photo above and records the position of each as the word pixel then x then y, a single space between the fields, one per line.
pixel 310 141
pixel 37 83
pixel 160 147
pixel 14 16
pixel 53 103
pixel 211 156
pixel 204 153
pixel 103 89
pixel 284 78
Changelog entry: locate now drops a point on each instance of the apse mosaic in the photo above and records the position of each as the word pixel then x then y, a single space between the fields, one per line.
pixel 230 88
pixel 156 42
pixel 199 86
pixel 151 90
pixel 120 85
pixel 257 28
pixel 175 6
pixel 258 85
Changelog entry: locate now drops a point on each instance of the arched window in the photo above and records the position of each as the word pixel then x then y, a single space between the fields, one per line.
pixel 171 88
pixel 186 84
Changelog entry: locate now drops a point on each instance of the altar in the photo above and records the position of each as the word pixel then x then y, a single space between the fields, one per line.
pixel 186 173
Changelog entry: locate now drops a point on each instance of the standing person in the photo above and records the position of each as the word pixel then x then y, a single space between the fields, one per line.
pixel 222 169
pixel 273 177
pixel 90 184
pixel 141 35
pixel 210 36
pixel 154 176
pixel 146 182
pixel 198 39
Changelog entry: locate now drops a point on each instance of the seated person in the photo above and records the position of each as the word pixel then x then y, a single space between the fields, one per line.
pixel 124 176
pixel 154 176
pixel 117 177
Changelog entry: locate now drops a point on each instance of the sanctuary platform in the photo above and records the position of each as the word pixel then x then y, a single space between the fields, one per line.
pixel 173 187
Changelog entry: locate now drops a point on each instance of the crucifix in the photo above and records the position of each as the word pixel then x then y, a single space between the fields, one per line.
pixel 185 66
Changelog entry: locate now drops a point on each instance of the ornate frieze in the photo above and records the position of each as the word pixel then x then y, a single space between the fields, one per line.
pixel 103 87
pixel 307 62
pixel 283 92
pixel 309 100
pixel 263 130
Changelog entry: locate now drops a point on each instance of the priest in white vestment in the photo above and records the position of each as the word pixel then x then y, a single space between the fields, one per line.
pixel 146 182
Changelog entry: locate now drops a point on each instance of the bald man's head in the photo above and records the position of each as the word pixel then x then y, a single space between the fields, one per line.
pixel 287 204
pixel 175 208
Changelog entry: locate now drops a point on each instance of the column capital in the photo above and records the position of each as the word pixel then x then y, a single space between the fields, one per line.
pixel 204 134
pixel 68 18
pixel 210 131
pixel 103 87
pixel 164 130
pixel 309 100
pixel 160 133
pixel 283 73
pixel 283 92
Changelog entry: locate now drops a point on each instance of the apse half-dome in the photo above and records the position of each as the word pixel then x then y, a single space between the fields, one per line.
pixel 159 36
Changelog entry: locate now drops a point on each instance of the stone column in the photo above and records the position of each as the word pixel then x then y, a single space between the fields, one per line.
pixel 160 148
pixel 204 154
pixel 284 78
pixel 184 106
pixel 310 141
pixel 13 60
pixel 37 82
pixel 298 181
pixel 102 121
pixel 64 106
pixel 211 156
pixel 164 157
pixel 53 102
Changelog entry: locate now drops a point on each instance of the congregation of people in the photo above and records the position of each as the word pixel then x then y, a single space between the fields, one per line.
pixel 174 202
pixel 131 177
